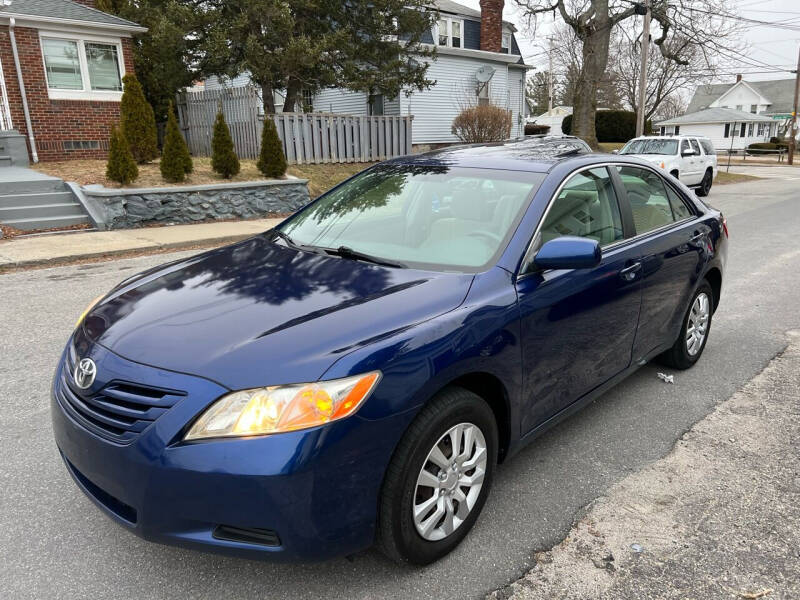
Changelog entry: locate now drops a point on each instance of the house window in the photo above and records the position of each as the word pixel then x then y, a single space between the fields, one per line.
pixel 727 130
pixel 82 69
pixel 449 32
pixel 307 96
pixel 375 104
pixel 754 109
pixel 742 129
pixel 677 129
pixel 761 129
pixel 663 130
pixel 62 65
pixel 738 107
pixel 505 45
pixel 750 127
pixel 483 93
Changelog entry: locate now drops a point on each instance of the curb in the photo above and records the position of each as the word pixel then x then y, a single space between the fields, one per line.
pixel 8 265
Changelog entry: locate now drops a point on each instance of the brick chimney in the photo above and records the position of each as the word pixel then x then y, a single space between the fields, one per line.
pixel 738 78
pixel 491 25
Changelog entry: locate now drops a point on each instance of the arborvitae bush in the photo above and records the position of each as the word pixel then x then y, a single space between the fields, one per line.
pixel 223 157
pixel 176 161
pixel 120 167
pixel 271 161
pixel 138 121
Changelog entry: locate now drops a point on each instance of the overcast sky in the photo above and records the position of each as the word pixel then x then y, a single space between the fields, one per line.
pixel 775 46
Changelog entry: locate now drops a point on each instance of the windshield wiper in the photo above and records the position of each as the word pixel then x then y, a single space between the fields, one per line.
pixel 285 238
pixel 347 252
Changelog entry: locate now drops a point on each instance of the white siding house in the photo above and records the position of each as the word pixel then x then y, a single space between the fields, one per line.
pixel 457 38
pixel 726 128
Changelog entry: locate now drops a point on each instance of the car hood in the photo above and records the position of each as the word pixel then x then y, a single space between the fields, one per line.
pixel 651 158
pixel 261 313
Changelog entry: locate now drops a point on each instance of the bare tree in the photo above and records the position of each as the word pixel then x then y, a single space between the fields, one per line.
pixel 701 23
pixel 666 78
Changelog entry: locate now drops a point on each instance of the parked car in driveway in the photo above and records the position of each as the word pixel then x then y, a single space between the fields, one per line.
pixel 355 375
pixel 689 158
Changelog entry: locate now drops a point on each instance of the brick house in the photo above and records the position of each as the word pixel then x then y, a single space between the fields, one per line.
pixel 61 66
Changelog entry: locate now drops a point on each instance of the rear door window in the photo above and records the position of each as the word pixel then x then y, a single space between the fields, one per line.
pixel 679 208
pixel 647 197
pixel 695 146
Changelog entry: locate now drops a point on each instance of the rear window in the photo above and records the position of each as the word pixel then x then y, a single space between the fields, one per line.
pixel 708 147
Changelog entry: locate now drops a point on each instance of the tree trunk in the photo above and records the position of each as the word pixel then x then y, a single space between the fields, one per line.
pixel 292 91
pixel 595 60
pixel 268 99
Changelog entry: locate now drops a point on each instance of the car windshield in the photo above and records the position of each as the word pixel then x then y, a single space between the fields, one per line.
pixel 651 147
pixel 429 216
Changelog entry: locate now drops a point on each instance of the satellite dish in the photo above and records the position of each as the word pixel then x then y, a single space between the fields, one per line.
pixel 484 74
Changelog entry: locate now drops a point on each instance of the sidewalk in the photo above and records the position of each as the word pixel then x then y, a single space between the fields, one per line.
pixel 719 517
pixel 67 247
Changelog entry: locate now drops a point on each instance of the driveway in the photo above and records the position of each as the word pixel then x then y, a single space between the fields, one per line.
pixel 55 544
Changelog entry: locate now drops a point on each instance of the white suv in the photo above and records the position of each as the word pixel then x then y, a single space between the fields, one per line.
pixel 689 158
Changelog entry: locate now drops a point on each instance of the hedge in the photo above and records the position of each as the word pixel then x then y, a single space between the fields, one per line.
pixel 611 125
pixel 768 146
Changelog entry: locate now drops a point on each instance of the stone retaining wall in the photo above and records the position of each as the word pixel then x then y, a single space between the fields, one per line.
pixel 111 208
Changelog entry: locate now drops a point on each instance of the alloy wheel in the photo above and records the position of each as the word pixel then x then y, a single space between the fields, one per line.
pixel 697 325
pixel 450 481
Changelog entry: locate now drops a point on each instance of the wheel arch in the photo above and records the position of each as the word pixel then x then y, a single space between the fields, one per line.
pixel 714 278
pixel 493 391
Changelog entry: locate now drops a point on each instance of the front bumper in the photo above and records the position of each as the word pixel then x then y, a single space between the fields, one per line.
pixel 317 490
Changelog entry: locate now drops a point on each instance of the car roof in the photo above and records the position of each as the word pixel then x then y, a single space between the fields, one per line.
pixel 670 137
pixel 536 154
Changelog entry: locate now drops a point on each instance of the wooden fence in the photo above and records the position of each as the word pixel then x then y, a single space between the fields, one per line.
pixel 306 137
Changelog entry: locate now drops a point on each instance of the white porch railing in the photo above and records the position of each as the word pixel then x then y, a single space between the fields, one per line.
pixel 5 109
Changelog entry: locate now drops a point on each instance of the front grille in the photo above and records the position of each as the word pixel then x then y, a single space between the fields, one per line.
pixel 120 411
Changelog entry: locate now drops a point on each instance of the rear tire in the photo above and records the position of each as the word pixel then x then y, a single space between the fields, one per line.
pixel 414 477
pixel 691 342
pixel 705 184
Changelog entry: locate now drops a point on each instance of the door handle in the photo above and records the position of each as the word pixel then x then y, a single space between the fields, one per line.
pixel 629 273
pixel 697 237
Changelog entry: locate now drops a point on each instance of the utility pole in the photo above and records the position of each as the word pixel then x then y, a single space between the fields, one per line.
pixel 644 10
pixel 793 141
pixel 550 78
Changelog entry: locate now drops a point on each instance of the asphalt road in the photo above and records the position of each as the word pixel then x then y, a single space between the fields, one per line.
pixel 55 544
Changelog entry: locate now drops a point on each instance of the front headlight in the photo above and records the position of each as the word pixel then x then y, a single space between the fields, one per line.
pixel 283 408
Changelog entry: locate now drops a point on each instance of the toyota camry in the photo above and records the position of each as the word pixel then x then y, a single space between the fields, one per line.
pixel 355 375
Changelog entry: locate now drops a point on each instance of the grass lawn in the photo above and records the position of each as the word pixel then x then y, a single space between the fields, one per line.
pixel 724 178
pixel 609 146
pixel 321 177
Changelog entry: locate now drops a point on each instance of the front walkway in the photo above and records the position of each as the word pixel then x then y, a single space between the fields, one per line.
pixel 52 249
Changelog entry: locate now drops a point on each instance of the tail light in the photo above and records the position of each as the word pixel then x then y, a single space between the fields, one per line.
pixel 725 227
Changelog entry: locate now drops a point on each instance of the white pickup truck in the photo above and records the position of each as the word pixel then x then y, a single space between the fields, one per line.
pixel 689 158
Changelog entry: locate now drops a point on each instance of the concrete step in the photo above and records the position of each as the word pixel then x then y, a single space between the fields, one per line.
pixel 63 209
pixel 16 200
pixel 29 186
pixel 46 222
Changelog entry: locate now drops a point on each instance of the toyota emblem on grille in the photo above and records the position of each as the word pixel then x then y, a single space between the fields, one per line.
pixel 85 372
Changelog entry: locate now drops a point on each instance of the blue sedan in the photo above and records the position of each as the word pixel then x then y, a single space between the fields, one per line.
pixel 353 376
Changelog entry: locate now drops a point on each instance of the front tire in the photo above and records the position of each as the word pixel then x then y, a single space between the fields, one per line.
pixel 694 333
pixel 705 184
pixel 438 479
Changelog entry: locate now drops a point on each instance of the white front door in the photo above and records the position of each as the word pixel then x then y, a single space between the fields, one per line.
pixel 5 109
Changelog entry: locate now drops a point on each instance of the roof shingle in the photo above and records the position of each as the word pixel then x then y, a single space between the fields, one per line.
pixel 66 10
pixel 714 115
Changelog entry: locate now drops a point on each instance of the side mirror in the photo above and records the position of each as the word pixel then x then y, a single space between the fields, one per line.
pixel 688 153
pixel 615 151
pixel 568 252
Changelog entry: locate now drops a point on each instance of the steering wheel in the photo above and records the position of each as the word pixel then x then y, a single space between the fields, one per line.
pixel 486 234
